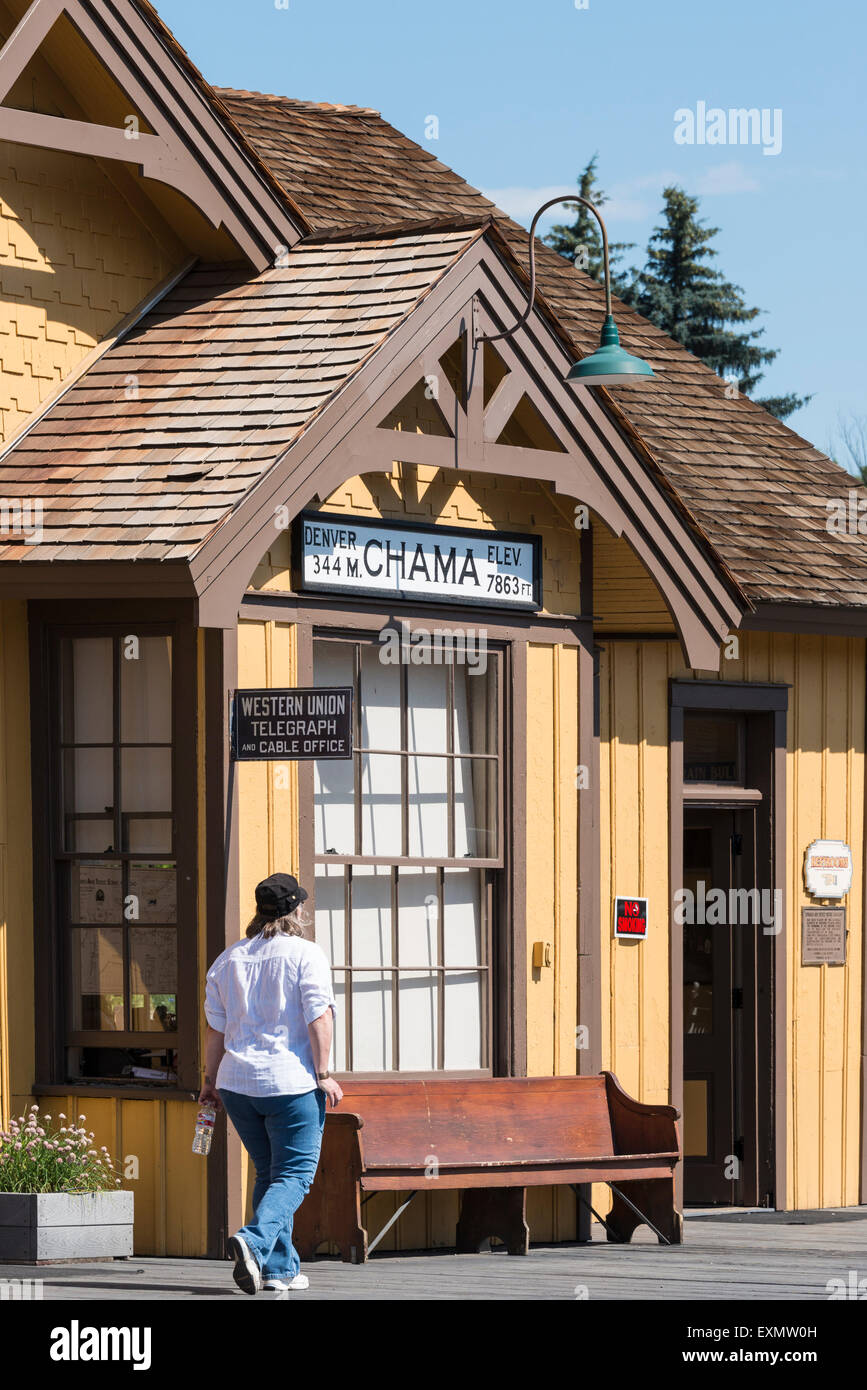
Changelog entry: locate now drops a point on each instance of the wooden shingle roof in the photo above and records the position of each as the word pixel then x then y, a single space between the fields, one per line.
pixel 759 491
pixel 160 439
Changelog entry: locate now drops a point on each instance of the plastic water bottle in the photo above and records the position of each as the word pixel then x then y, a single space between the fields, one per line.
pixel 204 1128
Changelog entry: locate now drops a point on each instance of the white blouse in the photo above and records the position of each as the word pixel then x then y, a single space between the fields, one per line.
pixel 261 995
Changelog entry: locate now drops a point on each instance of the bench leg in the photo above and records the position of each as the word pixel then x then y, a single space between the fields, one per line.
pixel 493 1211
pixel 331 1211
pixel 654 1198
pixel 330 1216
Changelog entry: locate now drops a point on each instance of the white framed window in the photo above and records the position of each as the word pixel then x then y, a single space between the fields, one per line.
pixel 408 843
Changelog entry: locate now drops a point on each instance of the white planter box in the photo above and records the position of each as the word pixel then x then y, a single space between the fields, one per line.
pixel 42 1227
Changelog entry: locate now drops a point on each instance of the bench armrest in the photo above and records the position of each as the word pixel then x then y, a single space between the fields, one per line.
pixel 637 1127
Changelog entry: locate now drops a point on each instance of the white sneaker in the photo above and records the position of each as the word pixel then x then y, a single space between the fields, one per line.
pixel 246 1273
pixel 280 1285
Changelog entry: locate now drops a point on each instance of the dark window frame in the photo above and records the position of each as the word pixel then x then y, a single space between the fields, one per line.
pixel 49 623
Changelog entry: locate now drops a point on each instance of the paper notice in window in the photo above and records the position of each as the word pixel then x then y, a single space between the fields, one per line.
pixel 153 889
pixel 153 960
pixel 96 893
pixel 101 962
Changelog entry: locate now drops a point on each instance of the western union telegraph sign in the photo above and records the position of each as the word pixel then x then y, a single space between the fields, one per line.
pixel 294 723
pixel 345 554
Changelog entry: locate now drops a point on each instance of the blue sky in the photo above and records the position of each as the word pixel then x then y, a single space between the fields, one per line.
pixel 525 93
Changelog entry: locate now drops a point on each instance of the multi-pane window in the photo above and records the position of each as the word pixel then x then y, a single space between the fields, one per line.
pixel 115 855
pixel 407 844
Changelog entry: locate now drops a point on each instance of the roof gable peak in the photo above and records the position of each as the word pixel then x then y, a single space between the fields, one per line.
pixel 190 143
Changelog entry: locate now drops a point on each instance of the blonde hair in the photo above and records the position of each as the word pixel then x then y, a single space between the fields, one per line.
pixel 291 924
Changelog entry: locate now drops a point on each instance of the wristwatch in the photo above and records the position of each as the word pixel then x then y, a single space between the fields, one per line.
pixel 323 1075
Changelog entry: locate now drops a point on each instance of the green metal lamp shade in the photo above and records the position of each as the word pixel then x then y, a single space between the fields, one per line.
pixel 610 363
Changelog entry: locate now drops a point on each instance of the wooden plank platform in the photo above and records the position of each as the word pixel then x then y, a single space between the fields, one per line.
pixel 765 1256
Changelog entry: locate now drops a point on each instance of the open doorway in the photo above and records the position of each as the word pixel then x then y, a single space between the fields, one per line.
pixel 728 1013
pixel 730 915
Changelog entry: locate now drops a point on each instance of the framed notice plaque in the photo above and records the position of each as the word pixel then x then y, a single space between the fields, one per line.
pixel 823 936
pixel 272 725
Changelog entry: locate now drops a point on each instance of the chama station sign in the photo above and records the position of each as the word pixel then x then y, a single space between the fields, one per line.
pixel 294 723
pixel 350 555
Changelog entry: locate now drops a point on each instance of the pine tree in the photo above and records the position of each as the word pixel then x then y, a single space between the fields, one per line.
pixel 692 302
pixel 581 242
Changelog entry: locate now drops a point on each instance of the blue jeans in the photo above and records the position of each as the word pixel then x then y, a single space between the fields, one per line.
pixel 283 1136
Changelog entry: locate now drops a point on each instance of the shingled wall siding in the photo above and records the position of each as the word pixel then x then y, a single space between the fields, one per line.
pixel 825 798
pixel 74 260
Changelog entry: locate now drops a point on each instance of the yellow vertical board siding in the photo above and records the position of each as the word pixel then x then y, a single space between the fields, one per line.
pixel 625 597
pixel 541 831
pixel 824 799
pixel 552 896
pixel 139 1156
pixel 655 961
pixel 827 763
pixel 268 791
pixel 185 1188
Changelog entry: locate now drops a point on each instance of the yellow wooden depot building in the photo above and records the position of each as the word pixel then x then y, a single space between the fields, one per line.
pixel 244 386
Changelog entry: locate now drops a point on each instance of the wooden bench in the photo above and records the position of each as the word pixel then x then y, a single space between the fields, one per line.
pixel 491 1138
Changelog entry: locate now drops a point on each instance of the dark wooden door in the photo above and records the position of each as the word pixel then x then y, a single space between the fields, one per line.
pixel 709 1034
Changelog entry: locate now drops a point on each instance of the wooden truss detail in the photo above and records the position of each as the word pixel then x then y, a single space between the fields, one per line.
pixel 489 415
pixel 189 148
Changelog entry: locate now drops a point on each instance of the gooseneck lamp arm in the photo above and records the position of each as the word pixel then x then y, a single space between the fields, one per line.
pixel 561 198
pixel 610 364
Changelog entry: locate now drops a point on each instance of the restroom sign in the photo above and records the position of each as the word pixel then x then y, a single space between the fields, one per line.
pixel 630 918
pixel 828 869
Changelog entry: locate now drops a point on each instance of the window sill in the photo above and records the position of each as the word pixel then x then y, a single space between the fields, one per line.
pixel 113 1089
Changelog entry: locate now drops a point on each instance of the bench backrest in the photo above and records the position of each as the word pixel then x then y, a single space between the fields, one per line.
pixel 481 1121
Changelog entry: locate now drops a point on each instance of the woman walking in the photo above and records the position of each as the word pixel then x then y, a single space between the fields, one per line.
pixel 270 1010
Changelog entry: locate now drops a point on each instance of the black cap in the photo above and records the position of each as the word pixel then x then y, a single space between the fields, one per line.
pixel 279 895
